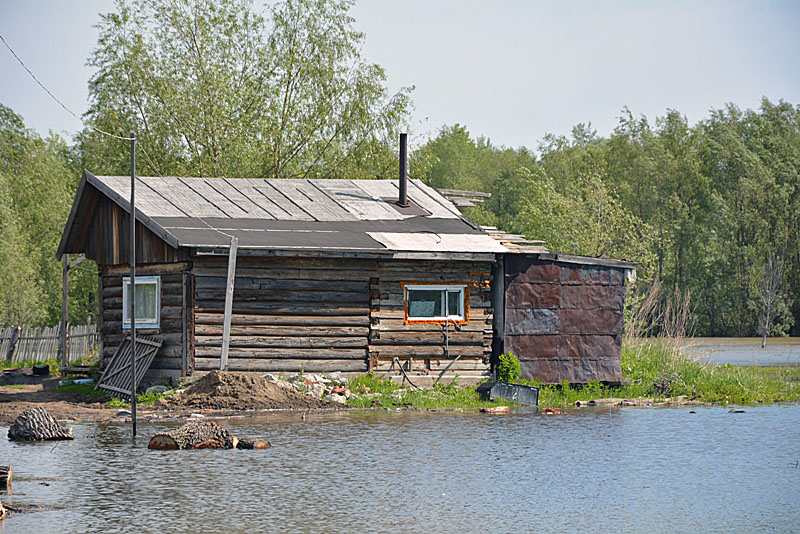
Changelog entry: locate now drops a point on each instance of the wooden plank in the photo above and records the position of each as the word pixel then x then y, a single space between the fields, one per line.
pixel 241 282
pixel 299 308
pixel 285 365
pixel 477 315
pixel 205 318
pixel 252 200
pixel 277 196
pixel 284 342
pixel 277 295
pixel 184 341
pixel 184 192
pixel 167 339
pixel 399 325
pixel 284 330
pixel 117 271
pixel 426 338
pixel 118 378
pixel 462 364
pixel 231 194
pixel 167 351
pixel 426 351
pixel 296 263
pixel 64 289
pixel 360 204
pixel 226 331
pixel 296 273
pixel 268 352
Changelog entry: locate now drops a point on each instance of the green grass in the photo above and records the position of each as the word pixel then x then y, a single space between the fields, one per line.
pixel 645 367
pixel 83 389
pixel 441 397
pixel 142 399
pixel 645 364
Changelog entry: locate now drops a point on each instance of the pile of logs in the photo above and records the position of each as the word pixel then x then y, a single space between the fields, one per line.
pixel 202 435
pixel 37 425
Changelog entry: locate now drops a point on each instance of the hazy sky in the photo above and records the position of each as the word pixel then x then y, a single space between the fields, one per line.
pixel 509 70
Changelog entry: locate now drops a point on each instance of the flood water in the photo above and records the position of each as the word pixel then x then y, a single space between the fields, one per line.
pixel 606 470
pixel 744 350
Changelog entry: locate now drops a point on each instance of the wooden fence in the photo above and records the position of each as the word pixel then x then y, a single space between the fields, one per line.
pixel 41 343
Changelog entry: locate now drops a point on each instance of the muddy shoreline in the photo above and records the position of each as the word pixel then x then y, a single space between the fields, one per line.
pixel 73 407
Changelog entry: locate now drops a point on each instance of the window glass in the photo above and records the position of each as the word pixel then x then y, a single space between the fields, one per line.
pixel 435 302
pixel 424 303
pixel 148 302
pixel 454 302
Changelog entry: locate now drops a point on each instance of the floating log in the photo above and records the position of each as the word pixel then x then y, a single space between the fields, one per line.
pixel 194 435
pixel 246 443
pixel 37 425
pixel 5 477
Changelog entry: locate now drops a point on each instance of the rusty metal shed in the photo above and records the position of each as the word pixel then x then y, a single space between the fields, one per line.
pixel 562 315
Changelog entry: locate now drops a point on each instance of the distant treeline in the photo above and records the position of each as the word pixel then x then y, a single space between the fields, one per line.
pixel 711 209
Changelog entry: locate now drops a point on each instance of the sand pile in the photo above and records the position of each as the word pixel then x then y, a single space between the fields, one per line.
pixel 223 390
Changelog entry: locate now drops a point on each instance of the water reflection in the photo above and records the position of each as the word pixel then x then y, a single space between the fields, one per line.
pixel 598 470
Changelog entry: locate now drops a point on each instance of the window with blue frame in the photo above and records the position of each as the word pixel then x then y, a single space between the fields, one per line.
pixel 148 302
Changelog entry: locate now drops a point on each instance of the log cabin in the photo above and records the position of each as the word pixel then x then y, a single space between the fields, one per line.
pixel 337 275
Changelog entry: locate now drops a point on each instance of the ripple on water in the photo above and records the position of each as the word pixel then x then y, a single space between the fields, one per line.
pixel 629 470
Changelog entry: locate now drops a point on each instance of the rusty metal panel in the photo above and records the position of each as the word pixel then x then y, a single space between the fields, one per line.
pixel 525 295
pixel 552 370
pixel 589 297
pixel 592 274
pixel 531 321
pixel 564 320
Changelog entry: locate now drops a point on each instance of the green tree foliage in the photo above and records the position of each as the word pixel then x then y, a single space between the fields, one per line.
pixel 702 209
pixel 37 184
pixel 216 88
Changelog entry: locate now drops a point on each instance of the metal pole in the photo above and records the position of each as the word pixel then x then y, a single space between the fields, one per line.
pixel 403 200
pixel 133 283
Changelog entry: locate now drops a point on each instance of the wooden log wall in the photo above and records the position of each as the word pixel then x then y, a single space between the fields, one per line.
pixel 169 357
pixel 421 346
pixel 289 314
pixel 106 238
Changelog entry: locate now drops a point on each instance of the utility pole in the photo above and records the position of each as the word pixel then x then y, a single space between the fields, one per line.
pixel 132 286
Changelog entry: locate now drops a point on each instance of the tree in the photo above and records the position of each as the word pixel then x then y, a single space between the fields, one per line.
pixel 771 302
pixel 37 184
pixel 215 88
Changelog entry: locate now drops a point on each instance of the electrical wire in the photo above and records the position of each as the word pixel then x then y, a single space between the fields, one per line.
pixel 59 102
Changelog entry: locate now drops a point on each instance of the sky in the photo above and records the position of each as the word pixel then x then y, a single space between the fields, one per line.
pixel 509 70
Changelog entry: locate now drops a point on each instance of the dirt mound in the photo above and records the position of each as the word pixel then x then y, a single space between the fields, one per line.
pixel 223 390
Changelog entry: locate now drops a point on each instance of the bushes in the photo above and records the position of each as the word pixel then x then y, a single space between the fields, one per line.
pixel 508 370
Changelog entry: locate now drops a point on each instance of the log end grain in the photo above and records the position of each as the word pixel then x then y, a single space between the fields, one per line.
pixel 245 443
pixel 161 442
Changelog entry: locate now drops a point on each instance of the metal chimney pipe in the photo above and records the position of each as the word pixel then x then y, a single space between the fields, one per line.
pixel 403 200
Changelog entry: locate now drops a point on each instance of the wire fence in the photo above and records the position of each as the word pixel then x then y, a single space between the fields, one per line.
pixel 18 343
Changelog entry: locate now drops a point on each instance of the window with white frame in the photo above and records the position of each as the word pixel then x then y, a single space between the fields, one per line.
pixel 148 301
pixel 435 302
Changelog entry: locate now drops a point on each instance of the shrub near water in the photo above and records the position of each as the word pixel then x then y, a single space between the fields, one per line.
pixel 509 368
